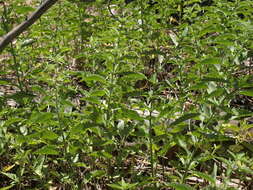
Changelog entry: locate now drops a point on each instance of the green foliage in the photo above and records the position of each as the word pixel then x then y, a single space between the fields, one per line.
pixel 138 95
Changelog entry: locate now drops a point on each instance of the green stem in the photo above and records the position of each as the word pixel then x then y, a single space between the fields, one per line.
pixel 151 144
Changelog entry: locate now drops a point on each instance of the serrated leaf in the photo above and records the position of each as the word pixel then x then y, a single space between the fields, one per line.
pixel 184 118
pixel 47 150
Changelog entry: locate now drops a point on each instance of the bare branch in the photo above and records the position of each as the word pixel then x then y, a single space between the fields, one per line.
pixel 15 32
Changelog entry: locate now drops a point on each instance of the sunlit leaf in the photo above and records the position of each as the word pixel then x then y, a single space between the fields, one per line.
pixel 174 38
pixel 12 176
pixel 47 150
pixel 7 187
pixel 205 176
pixel 213 60
pixel 94 78
pixel 50 135
pixel 179 186
pixel 131 114
pixel 23 9
pixel 247 92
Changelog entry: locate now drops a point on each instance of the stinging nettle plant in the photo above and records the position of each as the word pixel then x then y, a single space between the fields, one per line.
pixel 126 95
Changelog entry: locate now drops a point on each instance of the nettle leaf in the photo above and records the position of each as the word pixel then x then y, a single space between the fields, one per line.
pixel 92 100
pixel 41 117
pixel 213 60
pixel 198 86
pixel 204 176
pixel 49 135
pixel 179 186
pixel 97 173
pixel 47 150
pixel 131 114
pixel 184 118
pixel 132 76
pixel 247 92
pixel 95 78
pixel 98 93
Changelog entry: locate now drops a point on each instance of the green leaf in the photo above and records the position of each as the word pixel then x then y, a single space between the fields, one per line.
pixel 38 165
pixel 6 188
pixel 14 177
pixel 136 93
pixel 97 173
pixel 23 9
pixel 184 118
pixel 208 79
pixel 204 176
pixel 47 150
pixel 5 81
pixel 132 76
pixel 116 186
pixel 131 114
pixel 98 93
pixel 174 38
pixel 41 117
pixel 95 78
pixel 50 135
pixel 249 146
pixel 122 185
pixel 247 92
pixel 179 186
pixel 214 60
pixel 178 128
pixel 92 100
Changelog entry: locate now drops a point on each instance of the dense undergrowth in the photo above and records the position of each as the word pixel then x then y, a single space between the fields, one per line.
pixel 138 95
